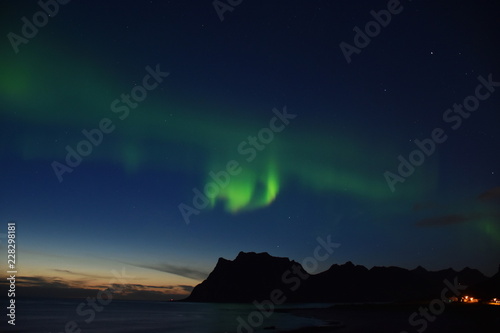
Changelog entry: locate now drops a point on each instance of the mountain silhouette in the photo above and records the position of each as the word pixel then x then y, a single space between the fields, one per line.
pixel 256 276
pixel 250 276
pixel 487 289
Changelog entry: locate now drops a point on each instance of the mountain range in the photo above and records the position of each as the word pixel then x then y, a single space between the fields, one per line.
pixel 260 276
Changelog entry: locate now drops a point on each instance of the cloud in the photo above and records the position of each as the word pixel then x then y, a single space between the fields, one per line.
pixel 456 219
pixel 187 288
pixel 484 206
pixel 79 274
pixel 139 291
pixel 37 286
pixel 175 269
pixel 427 205
pixel 142 286
pixel 38 281
pixel 443 220
pixel 490 196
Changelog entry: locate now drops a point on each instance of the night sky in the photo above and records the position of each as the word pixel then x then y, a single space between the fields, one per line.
pixel 304 120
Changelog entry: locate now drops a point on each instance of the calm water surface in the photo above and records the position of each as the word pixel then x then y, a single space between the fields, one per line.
pixel 52 315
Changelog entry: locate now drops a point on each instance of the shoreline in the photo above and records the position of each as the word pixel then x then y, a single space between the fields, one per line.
pixel 382 318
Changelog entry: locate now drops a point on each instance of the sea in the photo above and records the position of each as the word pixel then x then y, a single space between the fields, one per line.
pixel 70 316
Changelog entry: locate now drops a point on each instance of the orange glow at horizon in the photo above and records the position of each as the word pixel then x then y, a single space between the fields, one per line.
pixel 38 270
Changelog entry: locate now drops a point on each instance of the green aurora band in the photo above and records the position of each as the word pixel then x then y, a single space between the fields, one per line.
pixel 56 97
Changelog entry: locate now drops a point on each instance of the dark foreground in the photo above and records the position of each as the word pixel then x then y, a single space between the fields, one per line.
pixel 385 318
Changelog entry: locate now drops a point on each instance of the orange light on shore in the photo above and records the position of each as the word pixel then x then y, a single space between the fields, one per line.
pixel 470 299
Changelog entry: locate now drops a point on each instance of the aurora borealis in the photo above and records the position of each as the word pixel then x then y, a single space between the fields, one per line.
pixel 221 103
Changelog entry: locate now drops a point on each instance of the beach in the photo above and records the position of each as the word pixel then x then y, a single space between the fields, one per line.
pixel 383 318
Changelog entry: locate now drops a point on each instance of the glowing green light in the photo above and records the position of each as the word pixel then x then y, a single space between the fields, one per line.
pixel 239 192
pixel 255 187
pixel 67 94
pixel 272 185
pixel 489 226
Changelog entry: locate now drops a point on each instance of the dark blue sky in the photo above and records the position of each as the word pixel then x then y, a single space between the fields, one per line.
pixel 323 172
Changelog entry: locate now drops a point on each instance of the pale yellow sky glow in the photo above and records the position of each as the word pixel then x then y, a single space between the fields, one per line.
pixel 37 268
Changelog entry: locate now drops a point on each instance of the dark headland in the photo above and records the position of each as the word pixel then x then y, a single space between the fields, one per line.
pixel 380 299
